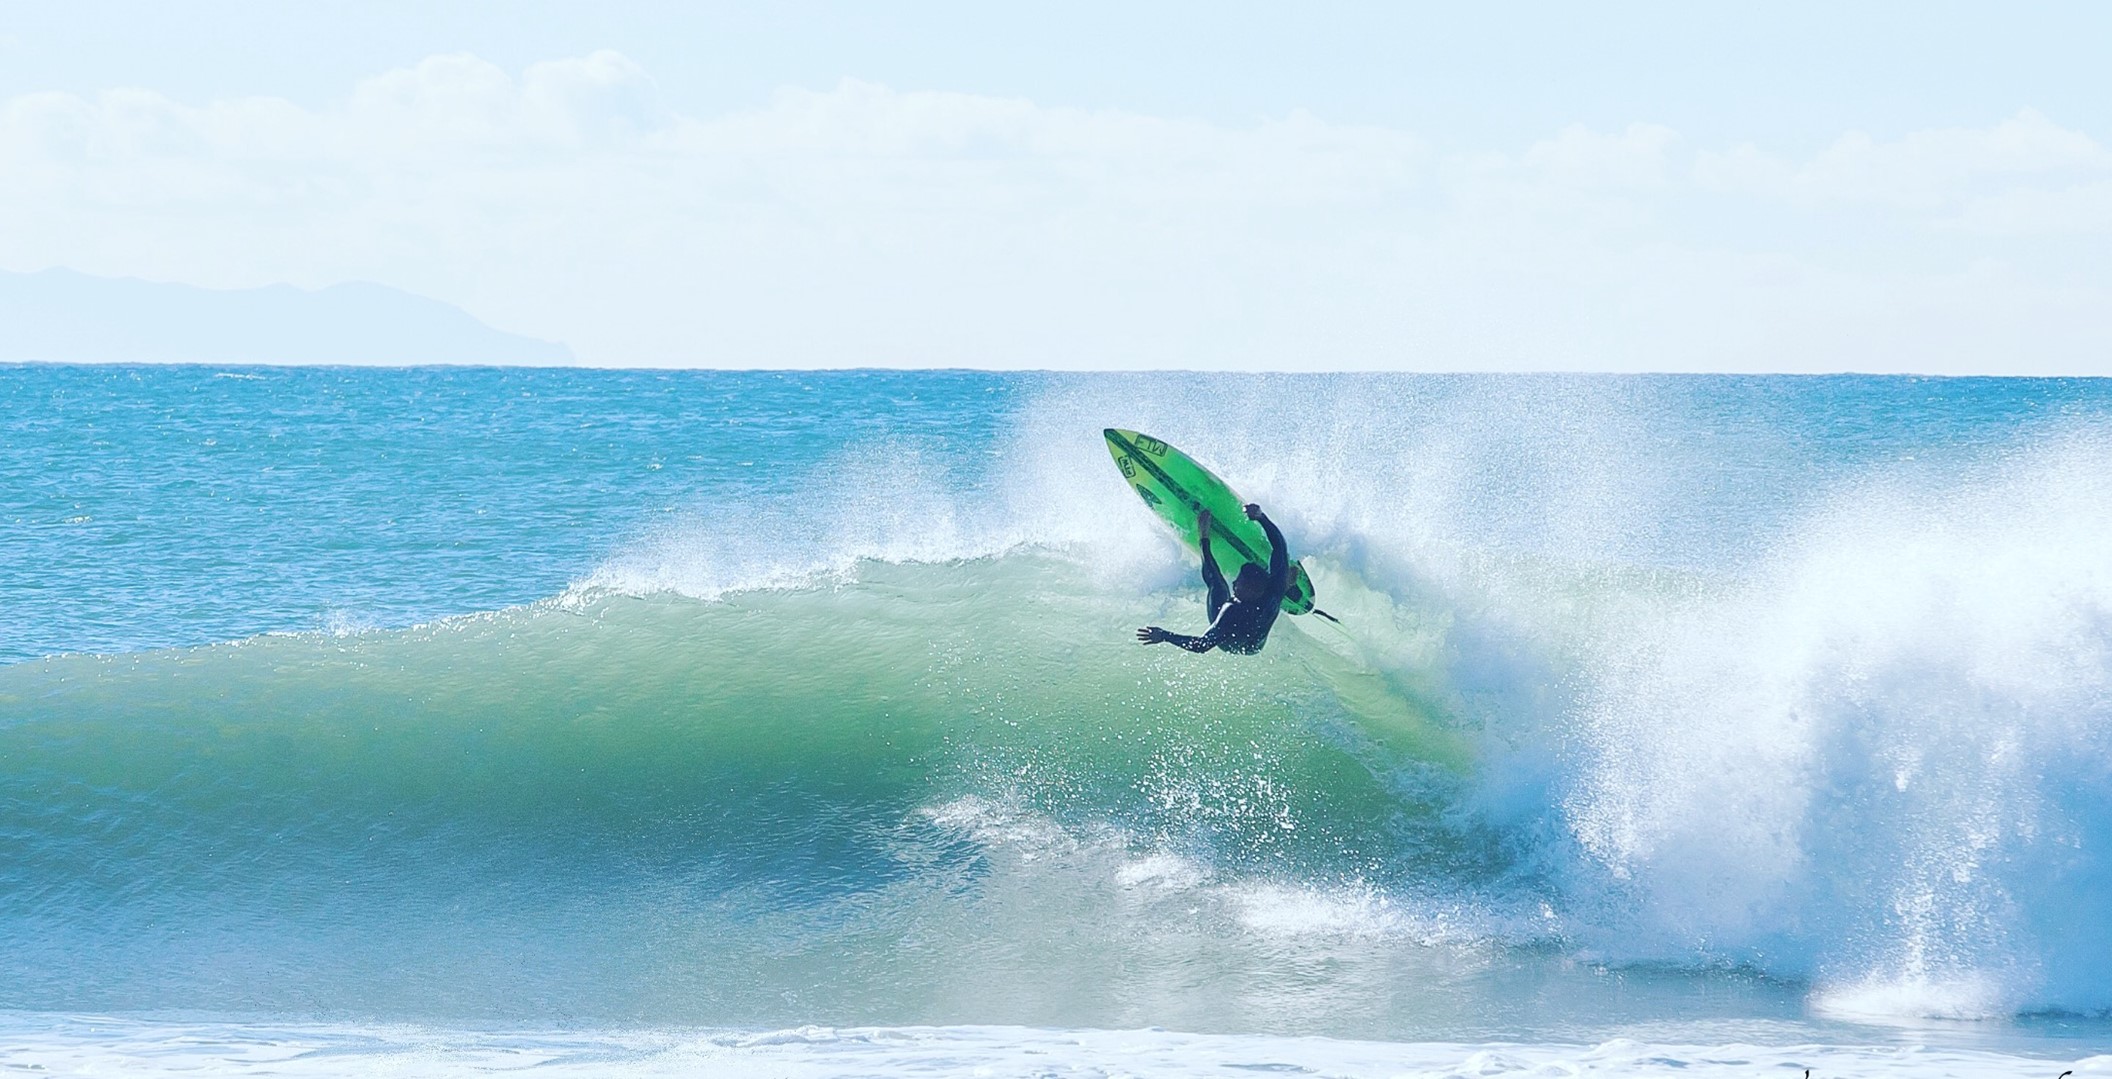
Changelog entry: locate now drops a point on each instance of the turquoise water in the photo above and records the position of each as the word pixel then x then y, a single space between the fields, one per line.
pixel 186 505
pixel 543 698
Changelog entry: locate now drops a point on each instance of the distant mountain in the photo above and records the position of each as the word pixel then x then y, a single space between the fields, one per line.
pixel 67 317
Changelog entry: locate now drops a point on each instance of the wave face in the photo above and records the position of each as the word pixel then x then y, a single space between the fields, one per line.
pixel 1653 699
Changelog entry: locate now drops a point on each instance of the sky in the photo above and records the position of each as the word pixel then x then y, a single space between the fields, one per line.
pixel 1614 187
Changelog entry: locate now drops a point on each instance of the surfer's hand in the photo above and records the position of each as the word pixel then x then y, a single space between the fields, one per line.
pixel 1202 524
pixel 1150 635
pixel 1253 511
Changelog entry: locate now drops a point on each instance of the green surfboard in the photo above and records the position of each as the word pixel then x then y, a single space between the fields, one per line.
pixel 1178 490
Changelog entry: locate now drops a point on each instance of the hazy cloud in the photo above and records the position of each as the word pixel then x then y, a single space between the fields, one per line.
pixel 1926 170
pixel 862 224
pixel 2081 208
pixel 1637 157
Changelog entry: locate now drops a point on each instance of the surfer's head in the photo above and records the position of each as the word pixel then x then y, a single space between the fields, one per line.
pixel 1252 582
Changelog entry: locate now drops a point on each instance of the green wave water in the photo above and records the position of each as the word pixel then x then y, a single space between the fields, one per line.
pixel 637 792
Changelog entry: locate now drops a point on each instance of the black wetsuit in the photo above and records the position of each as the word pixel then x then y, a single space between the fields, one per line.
pixel 1238 625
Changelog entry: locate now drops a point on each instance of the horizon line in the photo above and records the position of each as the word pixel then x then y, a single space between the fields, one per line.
pixel 886 369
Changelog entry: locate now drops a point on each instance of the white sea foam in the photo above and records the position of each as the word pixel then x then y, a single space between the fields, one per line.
pixel 1878 762
pixel 74 1045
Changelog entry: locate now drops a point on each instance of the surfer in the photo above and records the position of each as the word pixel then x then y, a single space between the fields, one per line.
pixel 1242 614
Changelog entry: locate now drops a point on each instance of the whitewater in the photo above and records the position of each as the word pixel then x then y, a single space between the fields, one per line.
pixel 451 720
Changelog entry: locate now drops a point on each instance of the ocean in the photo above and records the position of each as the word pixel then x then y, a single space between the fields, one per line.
pixel 439 721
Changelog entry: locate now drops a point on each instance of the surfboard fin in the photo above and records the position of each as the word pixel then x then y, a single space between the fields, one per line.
pixel 1327 616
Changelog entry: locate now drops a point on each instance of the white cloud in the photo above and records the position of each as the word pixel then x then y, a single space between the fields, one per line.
pixel 1636 158
pixel 2077 209
pixel 907 142
pixel 862 224
pixel 1926 170
pixel 462 103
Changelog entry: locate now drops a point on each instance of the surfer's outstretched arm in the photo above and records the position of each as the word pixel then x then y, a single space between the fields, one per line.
pixel 1279 551
pixel 1213 578
pixel 1156 635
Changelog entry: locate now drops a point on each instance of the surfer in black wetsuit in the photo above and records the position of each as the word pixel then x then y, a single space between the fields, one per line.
pixel 1241 615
